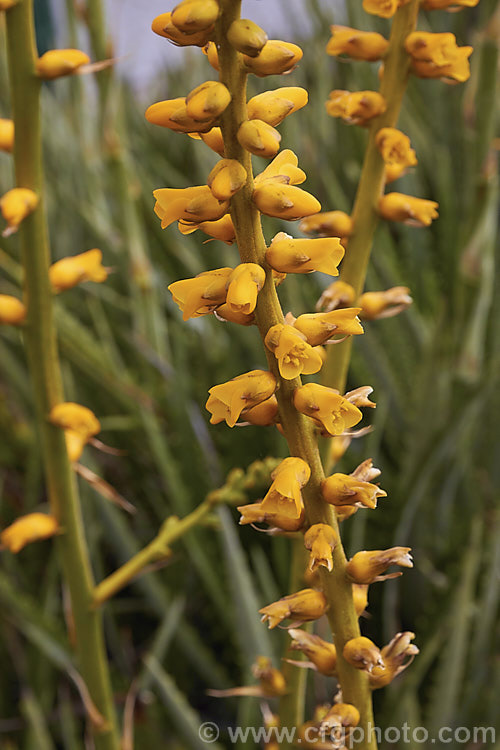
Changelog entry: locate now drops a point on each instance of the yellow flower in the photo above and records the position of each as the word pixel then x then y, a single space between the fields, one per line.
pixel 327 407
pixel 191 16
pixel 341 716
pixel 282 515
pixel 228 400
pixel 416 212
pixel 289 255
pixel 395 148
pixel 322 654
pixel 263 414
pixel 306 605
pixel 12 310
pixel 362 653
pixel 163 26
pixel 259 138
pixel 318 328
pixel 202 294
pixel 367 567
pixel 327 224
pixel 207 101
pixel 226 178
pixel 275 57
pixel 173 114
pixel 6 135
pixel 396 656
pixel 458 70
pixel 385 304
pixel 356 108
pixel 438 56
pixel 320 539
pixel 284 201
pixel 213 139
pixel 60 62
pixel 247 37
pixel 16 205
pixel 383 8
pixel 338 295
pixel 30 528
pixel 282 170
pixel 288 479
pixel 345 489
pixel 243 285
pixel 194 204
pixel 360 45
pixel 221 229
pixel 68 272
pixel 295 356
pixel 273 106
pixel 226 313
pixel 79 424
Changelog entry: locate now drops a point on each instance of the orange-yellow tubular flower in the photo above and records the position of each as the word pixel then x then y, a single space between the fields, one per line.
pixel 397 656
pixel 383 8
pixel 356 108
pixel 263 414
pixel 16 205
pixel 295 356
pixel 259 138
pixel 226 314
pixel 68 272
pixel 327 407
pixel 289 255
pixel 281 516
pixel 273 106
pixel 288 479
pixel 243 286
pixel 336 296
pixel 323 655
pixel 192 16
pixel 362 653
pixel 360 45
pixel 328 224
pixel 367 566
pixel 345 489
pixel 284 201
pixel 173 114
pixel 194 204
pixel 207 101
pixel 395 148
pixel 306 605
pixel 79 425
pixel 246 37
pixel 282 170
pixel 457 71
pixel 275 57
pixel 341 716
pixel 12 310
pixel 226 178
pixel 416 212
pixel 60 62
pixel 163 26
pixel 385 304
pixel 228 400
pixel 320 539
pixel 438 56
pixel 318 328
pixel 6 135
pixel 202 294
pixel 30 528
pixel 221 229
pixel 448 4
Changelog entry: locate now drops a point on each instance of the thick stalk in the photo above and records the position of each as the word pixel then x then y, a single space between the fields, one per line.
pixel 298 429
pixel 41 347
pixel 371 183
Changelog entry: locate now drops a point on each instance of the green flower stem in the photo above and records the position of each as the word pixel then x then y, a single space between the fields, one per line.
pixel 371 184
pixel 298 429
pixel 41 347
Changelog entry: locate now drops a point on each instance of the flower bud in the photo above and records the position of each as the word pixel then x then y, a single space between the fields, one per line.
pixel 191 16
pixel 243 285
pixel 273 106
pixel 68 272
pixel 16 205
pixel 321 540
pixel 295 356
pixel 275 57
pixel 79 424
pixel 345 489
pixel 221 229
pixel 360 45
pixel 207 101
pixel 362 653
pixel 12 310
pixel 338 295
pixel 290 255
pixel 259 138
pixel 281 516
pixel 327 407
pixel 283 170
pixel 194 204
pixel 246 37
pixel 322 654
pixel 173 114
pixel 288 479
pixel 341 714
pixel 284 201
pixel 30 528
pixel 202 294
pixel 385 304
pixel 416 212
pixel 327 224
pixel 367 567
pixel 6 135
pixel 226 178
pixel 163 26
pixel 228 400
pixel 356 108
pixel 60 62
pixel 383 8
pixel 395 148
pixel 306 605
pixel 318 328
pixel 213 139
